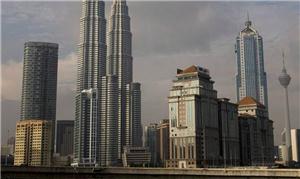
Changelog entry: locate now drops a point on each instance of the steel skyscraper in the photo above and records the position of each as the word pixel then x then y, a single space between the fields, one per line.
pixel 107 101
pixel 91 69
pixel 39 81
pixel 35 132
pixel 119 63
pixel 251 78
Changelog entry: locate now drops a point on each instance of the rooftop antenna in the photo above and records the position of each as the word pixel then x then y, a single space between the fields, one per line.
pixel 248 22
pixel 283 62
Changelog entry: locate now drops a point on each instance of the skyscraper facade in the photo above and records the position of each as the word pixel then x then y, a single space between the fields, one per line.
pixel 193 114
pixel 251 78
pixel 134 114
pixel 38 104
pixel 119 63
pixel 107 101
pixel 39 81
pixel 90 70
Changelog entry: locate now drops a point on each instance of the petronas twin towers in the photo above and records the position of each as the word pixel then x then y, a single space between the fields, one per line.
pixel 108 103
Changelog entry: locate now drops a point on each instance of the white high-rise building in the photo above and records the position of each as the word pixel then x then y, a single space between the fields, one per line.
pixel 295 143
pixel 193 114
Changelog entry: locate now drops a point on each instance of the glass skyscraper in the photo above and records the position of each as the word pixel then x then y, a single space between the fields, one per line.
pixel 39 81
pixel 90 70
pixel 251 78
pixel 108 114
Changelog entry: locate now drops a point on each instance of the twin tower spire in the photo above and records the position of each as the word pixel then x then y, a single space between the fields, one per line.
pixel 107 114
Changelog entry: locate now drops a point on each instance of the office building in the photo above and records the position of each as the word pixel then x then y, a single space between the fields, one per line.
pixel 151 142
pixel 133 112
pixel 295 144
pixel 281 152
pixel 119 63
pixel 109 124
pixel 64 137
pixel 193 114
pixel 163 141
pixel 251 78
pixel 228 132
pixel 91 65
pixel 33 142
pixel 39 81
pixel 38 103
pixel 136 156
pixel 256 133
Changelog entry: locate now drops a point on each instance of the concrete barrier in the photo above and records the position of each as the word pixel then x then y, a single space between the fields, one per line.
pixel 145 173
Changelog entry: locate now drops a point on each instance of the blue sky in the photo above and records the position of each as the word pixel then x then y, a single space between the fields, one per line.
pixel 166 36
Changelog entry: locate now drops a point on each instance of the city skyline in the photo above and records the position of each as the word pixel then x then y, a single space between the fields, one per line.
pixel 156 86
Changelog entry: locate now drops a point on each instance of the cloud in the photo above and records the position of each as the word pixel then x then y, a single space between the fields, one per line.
pixel 166 36
pixel 11 83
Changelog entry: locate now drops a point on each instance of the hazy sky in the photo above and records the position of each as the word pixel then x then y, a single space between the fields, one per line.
pixel 166 36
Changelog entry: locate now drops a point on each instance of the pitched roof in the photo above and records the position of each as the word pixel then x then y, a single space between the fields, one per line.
pixel 190 69
pixel 248 100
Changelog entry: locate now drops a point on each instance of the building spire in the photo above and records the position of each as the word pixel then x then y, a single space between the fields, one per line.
pixel 248 23
pixel 283 63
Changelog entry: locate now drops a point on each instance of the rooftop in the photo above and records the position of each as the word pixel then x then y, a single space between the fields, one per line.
pixel 248 100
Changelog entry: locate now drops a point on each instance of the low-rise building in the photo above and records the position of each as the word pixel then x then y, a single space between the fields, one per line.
pixel 33 143
pixel 64 137
pixel 256 133
pixel 136 156
pixel 163 141
pixel 228 132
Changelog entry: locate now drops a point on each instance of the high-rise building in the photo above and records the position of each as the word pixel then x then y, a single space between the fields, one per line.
pixel 151 142
pixel 134 114
pixel 91 67
pixel 39 81
pixel 38 104
pixel 33 142
pixel 119 63
pixel 228 132
pixel 64 137
pixel 107 102
pixel 109 124
pixel 284 80
pixel 193 114
pixel 256 133
pixel 251 78
pixel 295 144
pixel 163 141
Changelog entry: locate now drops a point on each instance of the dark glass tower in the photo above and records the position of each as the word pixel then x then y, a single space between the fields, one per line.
pixel 39 81
pixel 64 137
